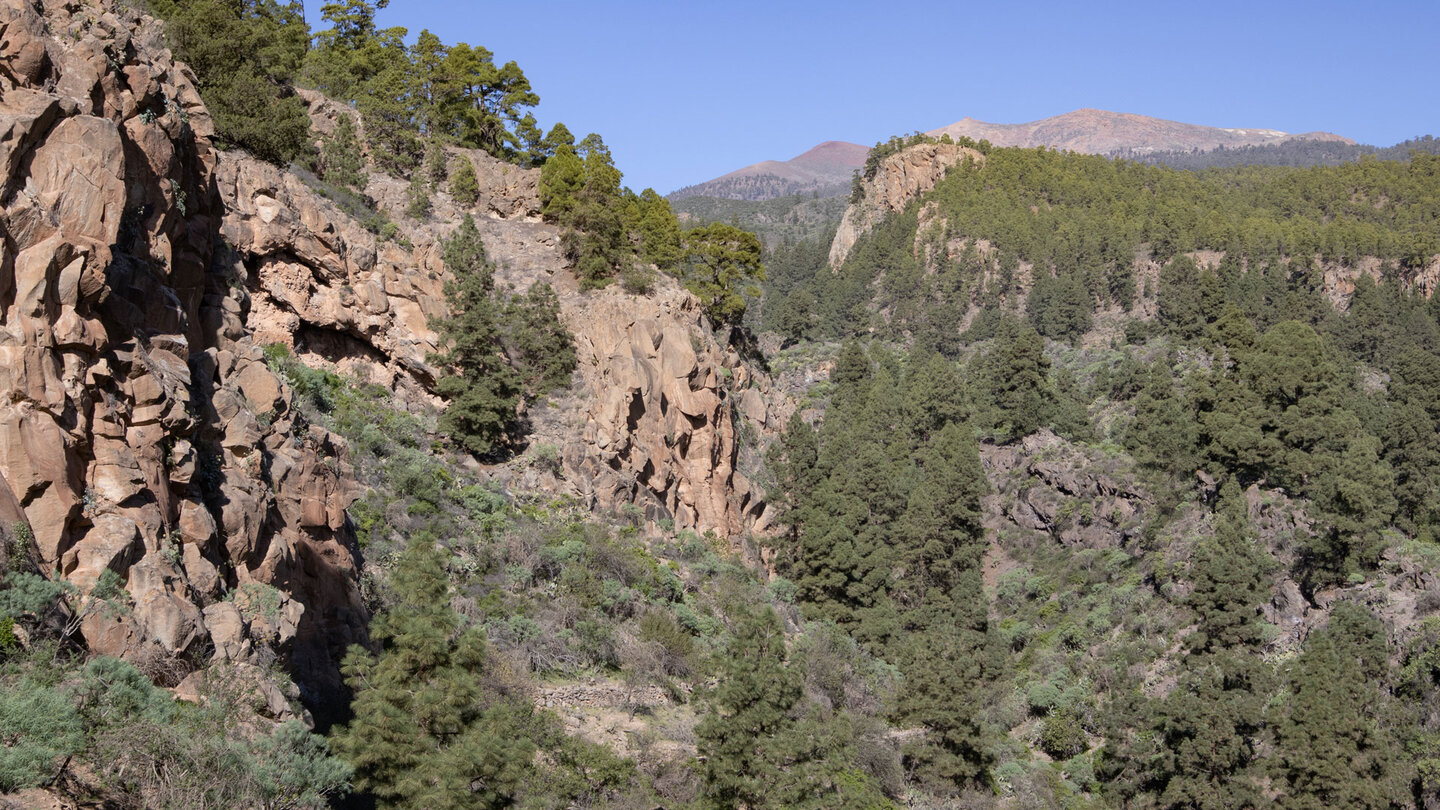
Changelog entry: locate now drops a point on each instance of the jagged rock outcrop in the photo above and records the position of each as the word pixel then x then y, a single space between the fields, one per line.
pixel 664 400
pixel 899 179
pixel 1047 484
pixel 141 431
pixel 322 285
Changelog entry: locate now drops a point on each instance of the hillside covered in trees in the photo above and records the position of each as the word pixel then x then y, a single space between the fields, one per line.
pixel 1227 347
pixel 1290 153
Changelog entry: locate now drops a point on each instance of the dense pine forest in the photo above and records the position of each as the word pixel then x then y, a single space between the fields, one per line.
pixel 1205 354
pixel 1099 484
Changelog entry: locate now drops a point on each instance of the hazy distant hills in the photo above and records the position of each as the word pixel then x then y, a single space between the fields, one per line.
pixel 1105 133
pixel 1288 153
pixel 824 170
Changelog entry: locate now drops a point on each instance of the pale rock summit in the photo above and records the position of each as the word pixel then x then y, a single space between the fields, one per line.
pixel 900 178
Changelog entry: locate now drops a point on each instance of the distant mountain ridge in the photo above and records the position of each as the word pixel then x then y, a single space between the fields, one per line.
pixel 826 169
pixel 1102 132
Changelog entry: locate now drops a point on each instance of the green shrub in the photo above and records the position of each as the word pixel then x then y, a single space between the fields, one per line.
pixel 703 626
pixel 294 768
pixel 782 590
pixel 463 186
pixel 40 727
pixel 1061 735
pixel 26 594
pixel 1042 697
pixel 679 645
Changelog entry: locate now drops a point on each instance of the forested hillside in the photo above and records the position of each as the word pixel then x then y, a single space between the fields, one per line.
pixel 1206 407
pixel 1290 153
pixel 1090 230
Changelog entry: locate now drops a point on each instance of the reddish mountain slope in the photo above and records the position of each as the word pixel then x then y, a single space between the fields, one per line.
pixel 1102 132
pixel 826 168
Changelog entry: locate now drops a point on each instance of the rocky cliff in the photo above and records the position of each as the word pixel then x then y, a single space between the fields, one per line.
pixel 142 433
pixel 662 425
pixel 899 179
pixel 651 417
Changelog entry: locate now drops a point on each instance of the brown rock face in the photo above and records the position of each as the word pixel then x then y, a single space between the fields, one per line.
pixel 663 402
pixel 1067 493
pixel 650 419
pixel 319 283
pixel 900 178
pixel 141 431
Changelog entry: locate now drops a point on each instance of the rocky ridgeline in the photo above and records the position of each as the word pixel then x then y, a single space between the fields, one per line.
pixel 141 274
pixel 915 170
pixel 900 178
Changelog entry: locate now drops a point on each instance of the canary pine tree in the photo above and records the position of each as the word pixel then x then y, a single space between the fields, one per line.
pixel 425 734
pixel 482 387
pixel 763 745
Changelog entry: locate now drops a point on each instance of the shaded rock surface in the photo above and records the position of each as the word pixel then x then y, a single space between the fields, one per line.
pixel 1076 496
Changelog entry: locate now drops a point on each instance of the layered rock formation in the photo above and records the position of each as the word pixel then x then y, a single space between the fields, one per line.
pixel 326 288
pixel 141 431
pixel 899 179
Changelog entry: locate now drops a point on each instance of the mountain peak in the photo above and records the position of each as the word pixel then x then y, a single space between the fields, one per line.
pixel 1107 132
pixel 824 168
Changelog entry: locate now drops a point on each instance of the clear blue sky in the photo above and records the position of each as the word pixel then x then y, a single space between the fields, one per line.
pixel 684 91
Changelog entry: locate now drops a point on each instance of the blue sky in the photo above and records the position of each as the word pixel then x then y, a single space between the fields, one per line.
pixel 685 91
